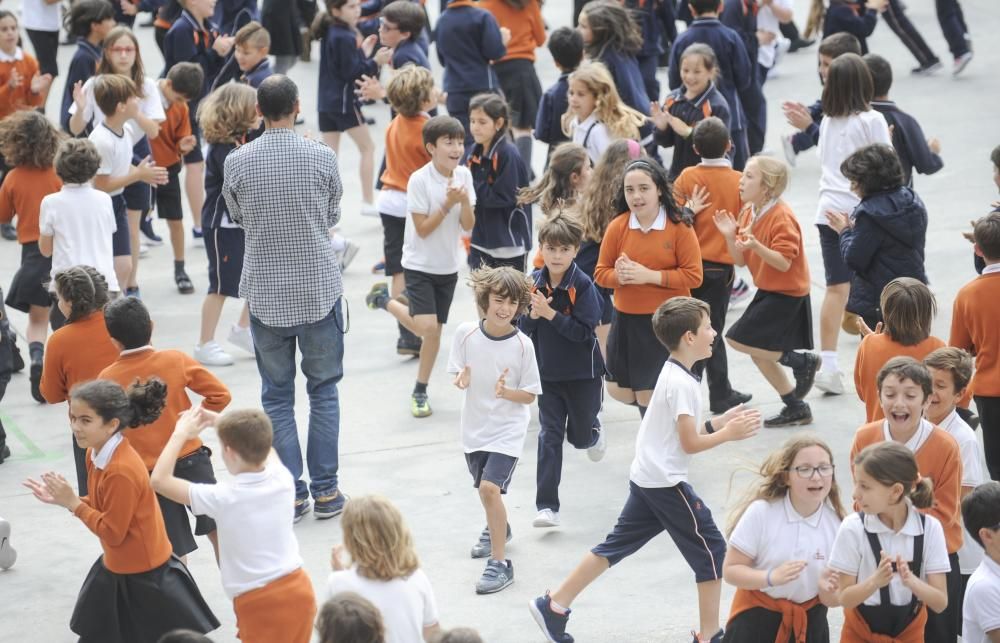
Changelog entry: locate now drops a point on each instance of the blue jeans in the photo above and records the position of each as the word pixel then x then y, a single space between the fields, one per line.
pixel 322 346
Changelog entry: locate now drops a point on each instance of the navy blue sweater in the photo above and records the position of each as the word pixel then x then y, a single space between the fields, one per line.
pixel 497 174
pixel 709 103
pixel 809 137
pixel 628 78
pixel 467 39
pixel 852 18
pixel 741 17
pixel 186 42
pixel 215 211
pixel 227 14
pixel 566 347
pixel 81 69
pixel 909 141
pixel 554 103
pixel 341 62
pixel 736 73
pixel 409 52
pixel 646 13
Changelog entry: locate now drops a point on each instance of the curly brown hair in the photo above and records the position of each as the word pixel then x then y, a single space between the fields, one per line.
pixel 28 138
pixel 228 113
pixel 502 281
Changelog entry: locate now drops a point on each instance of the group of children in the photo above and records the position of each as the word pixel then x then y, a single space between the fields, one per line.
pixel 629 292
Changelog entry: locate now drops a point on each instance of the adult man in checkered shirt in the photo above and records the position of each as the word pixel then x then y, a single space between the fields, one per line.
pixel 284 190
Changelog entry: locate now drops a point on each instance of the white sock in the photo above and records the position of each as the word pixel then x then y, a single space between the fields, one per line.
pixel 557 608
pixel 829 361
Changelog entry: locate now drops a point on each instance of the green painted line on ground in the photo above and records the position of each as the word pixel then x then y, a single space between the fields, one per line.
pixel 34 453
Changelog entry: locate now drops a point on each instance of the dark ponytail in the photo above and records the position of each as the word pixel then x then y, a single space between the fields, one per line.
pixel 84 288
pixel 324 19
pixel 890 463
pixel 141 404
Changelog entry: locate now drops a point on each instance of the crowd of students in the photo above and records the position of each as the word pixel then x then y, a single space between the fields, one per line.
pixel 627 292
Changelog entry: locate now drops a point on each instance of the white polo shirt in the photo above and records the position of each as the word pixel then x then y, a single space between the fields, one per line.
pixel 407 604
pixel 115 150
pixel 151 106
pixel 592 134
pixel 839 137
pixel 981 610
pixel 772 533
pixel 254 517
pixel 439 252
pixel 81 222
pixel 853 555
pixel 973 475
pixel 659 459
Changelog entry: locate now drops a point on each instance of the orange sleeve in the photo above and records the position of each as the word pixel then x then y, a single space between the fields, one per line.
pixel 604 271
pixel 681 188
pixel 859 367
pixel 7 199
pixel 947 488
pixel 111 525
pixel 53 384
pixel 960 336
pixel 204 383
pixel 688 273
pixel 786 240
pixel 537 24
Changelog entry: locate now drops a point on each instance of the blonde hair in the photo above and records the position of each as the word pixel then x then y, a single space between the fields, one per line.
pixel 378 539
pixel 621 120
pixel 227 113
pixel 773 174
pixel 774 472
pixel 410 89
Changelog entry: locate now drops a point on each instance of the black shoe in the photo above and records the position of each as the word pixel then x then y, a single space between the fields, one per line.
pixel 184 285
pixel 36 380
pixel 146 227
pixel 805 376
pixel 791 416
pixel 407 346
pixel 4 453
pixel 800 43
pixel 735 399
pixel 17 359
pixel 927 69
pixel 8 231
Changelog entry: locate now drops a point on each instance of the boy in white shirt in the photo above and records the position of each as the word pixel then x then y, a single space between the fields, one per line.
pixel 78 222
pixel 660 498
pixel 440 198
pixel 981 610
pixel 258 553
pixel 494 363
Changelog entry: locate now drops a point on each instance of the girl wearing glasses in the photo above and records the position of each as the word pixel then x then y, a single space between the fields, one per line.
pixel 780 537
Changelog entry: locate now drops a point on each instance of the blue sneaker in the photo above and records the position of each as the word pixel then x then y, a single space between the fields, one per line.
pixel 329 506
pixel 302 507
pixel 498 575
pixel 484 546
pixel 553 625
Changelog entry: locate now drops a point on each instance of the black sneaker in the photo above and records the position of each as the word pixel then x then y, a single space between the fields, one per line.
pixel 484 547
pixel 8 231
pixel 735 399
pixel 4 453
pixel 800 43
pixel 498 575
pixel 302 507
pixel 146 228
pixel 716 638
pixel 409 347
pixel 184 285
pixel 927 69
pixel 791 416
pixel 805 376
pixel 36 381
pixel 330 506
pixel 553 625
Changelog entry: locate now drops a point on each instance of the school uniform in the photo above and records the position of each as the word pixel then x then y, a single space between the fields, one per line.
pixel 895 16
pixel 409 52
pixel 41 21
pixel 256 75
pixel 137 590
pixel 166 152
pixel 548 121
pixel 516 70
pixel 115 150
pixel 981 611
pixel 230 15
pixel 406 603
pixel 690 110
pixel 501 234
pixel 586 260
pixel 341 63
pixel 592 135
pixel 809 137
pixel 646 13
pixel 875 350
pixel 660 497
pixel 851 17
pixel 973 327
pixel 21 194
pixel 635 355
pixel 893 611
pixel 571 369
pixel 81 222
pixel 771 532
pixel 779 318
pixel 909 141
pixel 13 99
pixel 225 243
pixel 741 17
pixel 404 154
pixel 82 68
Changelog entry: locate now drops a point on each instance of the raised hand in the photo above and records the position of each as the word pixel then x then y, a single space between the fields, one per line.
pixel 40 82
pixel 187 143
pixel 797 115
pixel 883 574
pixel 699 199
pixel 865 330
pixel 15 79
pixel 659 116
pixel 39 490
pixel 726 223
pixel 838 221
pixel 223 45
pixel 79 96
pixel 383 56
pixel 501 386
pixel 747 242
pixel 368 45
pixel 369 88
pixel 540 306
pixel 743 426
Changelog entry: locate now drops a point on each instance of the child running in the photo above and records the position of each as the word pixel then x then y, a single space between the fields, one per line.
pixel 596 114
pixel 494 363
pixel 660 498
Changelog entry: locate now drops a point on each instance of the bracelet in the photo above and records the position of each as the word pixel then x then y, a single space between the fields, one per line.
pixel 708 427
pixel 768 579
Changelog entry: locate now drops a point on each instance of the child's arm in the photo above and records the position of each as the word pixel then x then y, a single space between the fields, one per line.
pixel 502 192
pixel 493 47
pixel 854 592
pixel 53 385
pixel 578 326
pixel 189 425
pixel 859 241
pixel 960 336
pixel 518 396
pixel 784 247
pixel 924 152
pixel 738 571
pixel 204 383
pixel 45 244
pixel 947 507
pixel 111 525
pixel 77 121
pixel 860 386
pixel 6 201
pixel 933 592
pixel 604 272
pixel 726 223
pixel 734 424
pixel 351 61
pixel 425 224
pixel 146 172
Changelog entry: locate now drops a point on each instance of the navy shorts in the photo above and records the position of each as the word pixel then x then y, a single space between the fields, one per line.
pixel 139 195
pixel 168 197
pixel 121 243
pixel 681 513
pixel 491 467
pixel 341 121
pixel 196 467
pixel 225 248
pixel 834 265
pixel 430 294
pixel 392 243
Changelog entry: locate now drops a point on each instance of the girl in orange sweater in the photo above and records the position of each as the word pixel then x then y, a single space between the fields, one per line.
pixel 21 86
pixel 137 591
pixel 778 321
pixel 649 254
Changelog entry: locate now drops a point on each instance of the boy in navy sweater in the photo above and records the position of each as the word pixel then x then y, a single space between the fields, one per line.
pixel 468 39
pixel 565 309
pixel 915 151
pixel 252 44
pixel 90 21
pixel 854 17
pixel 734 64
pixel 566 47
pixel 400 28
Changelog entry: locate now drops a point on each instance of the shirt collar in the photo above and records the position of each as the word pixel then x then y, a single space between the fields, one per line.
pixel 93 49
pixel 659 223
pixel 564 283
pixel 253 70
pixel 132 351
pixel 757 215
pixel 697 378
pixel 911 526
pixel 441 178
pixel 794 516
pixel 8 58
pixel 723 162
pixel 914 443
pixel 103 457
pixel 587 122
pixel 990 269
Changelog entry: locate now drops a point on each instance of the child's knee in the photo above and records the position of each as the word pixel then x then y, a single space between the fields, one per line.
pixel 489 492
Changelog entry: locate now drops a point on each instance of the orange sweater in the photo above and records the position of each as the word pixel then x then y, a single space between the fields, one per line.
pixel 404 150
pixel 723 185
pixel 20 97
pixel 974 327
pixel 179 372
pixel 938 459
pixel 527 29
pixel 122 511
pixel 875 350
pixel 672 251
pixel 172 130
pixel 75 353
pixel 778 230
pixel 22 192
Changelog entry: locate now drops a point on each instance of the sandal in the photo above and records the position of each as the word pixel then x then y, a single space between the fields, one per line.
pixel 183 282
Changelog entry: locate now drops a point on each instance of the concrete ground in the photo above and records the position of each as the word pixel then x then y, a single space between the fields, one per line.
pixel 419 464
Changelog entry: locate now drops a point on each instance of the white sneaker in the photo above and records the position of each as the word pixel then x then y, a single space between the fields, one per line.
pixel 211 354
pixel 368 210
pixel 596 452
pixel 350 251
pixel 831 383
pixel 786 144
pixel 143 248
pixel 7 553
pixel 546 518
pixel 241 338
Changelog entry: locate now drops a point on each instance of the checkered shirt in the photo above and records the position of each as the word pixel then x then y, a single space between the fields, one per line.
pixel 284 190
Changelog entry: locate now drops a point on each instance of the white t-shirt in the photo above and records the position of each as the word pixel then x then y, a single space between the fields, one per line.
pixel 767 21
pixel 489 423
pixel 973 475
pixel 81 222
pixel 839 137
pixel 254 515
pixel 438 253
pixel 853 555
pixel 151 106
pixel 591 134
pixel 115 151
pixel 981 610
pixel 41 16
pixel 407 604
pixel 659 459
pixel 391 202
pixel 773 533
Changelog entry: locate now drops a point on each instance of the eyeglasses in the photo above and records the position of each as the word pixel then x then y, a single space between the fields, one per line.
pixel 122 50
pixel 807 472
pixel 383 25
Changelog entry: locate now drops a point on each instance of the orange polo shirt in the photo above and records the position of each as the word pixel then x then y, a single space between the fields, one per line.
pixel 527 29
pixel 22 192
pixel 723 185
pixel 13 99
pixel 779 230
pixel 974 323
pixel 404 150
pixel 176 126
pixel 75 353
pixel 875 350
